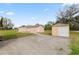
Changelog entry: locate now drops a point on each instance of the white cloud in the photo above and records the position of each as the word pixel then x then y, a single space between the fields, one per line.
pixel 1 12
pixel 64 4
pixel 46 9
pixel 9 13
pixel 33 18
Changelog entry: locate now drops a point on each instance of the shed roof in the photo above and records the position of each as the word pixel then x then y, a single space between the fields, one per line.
pixel 60 25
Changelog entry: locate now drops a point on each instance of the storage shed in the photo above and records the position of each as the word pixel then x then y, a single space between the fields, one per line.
pixel 60 30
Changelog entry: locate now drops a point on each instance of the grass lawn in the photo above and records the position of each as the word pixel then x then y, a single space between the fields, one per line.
pixel 12 34
pixel 47 32
pixel 74 43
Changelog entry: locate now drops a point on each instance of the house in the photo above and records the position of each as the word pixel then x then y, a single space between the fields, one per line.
pixel 31 28
pixel 60 30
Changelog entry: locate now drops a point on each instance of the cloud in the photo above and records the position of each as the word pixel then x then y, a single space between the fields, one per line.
pixel 46 9
pixel 64 4
pixel 1 12
pixel 33 18
pixel 9 13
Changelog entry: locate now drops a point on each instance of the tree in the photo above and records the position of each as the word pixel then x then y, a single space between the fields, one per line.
pixel 69 16
pixel 49 25
pixel 5 23
pixel 9 24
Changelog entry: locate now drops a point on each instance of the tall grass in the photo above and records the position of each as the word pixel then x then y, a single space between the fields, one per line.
pixel 74 43
pixel 12 34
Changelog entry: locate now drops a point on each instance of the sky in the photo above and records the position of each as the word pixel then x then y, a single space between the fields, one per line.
pixel 30 13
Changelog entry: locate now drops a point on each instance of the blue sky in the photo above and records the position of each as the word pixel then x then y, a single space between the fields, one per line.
pixel 30 14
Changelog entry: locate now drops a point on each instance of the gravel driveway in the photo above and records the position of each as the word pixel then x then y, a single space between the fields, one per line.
pixel 36 45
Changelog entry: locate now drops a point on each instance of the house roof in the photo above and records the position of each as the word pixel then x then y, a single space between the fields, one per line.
pixel 31 26
pixel 60 25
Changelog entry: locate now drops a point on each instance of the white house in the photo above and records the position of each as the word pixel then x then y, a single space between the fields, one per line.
pixel 60 30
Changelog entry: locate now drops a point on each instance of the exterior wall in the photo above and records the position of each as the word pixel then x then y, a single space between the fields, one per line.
pixel 21 29
pixel 32 30
pixel 60 31
pixel 54 31
pixel 40 29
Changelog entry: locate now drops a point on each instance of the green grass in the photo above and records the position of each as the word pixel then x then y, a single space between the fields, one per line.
pixel 74 43
pixel 47 32
pixel 12 34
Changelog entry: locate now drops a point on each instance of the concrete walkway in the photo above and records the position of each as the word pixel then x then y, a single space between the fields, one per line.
pixel 36 45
